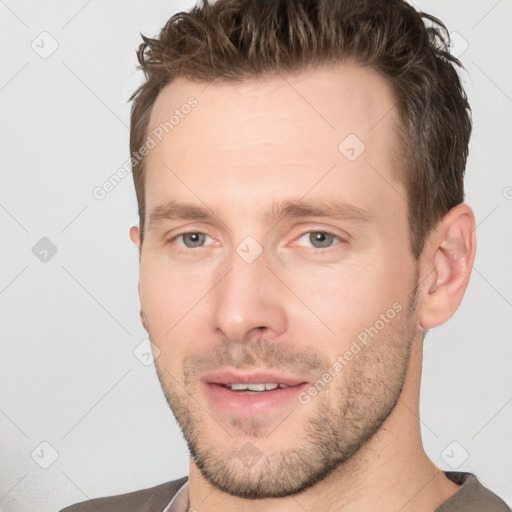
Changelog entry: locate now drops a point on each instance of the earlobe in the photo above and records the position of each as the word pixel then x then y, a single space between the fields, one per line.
pixel 134 235
pixel 447 261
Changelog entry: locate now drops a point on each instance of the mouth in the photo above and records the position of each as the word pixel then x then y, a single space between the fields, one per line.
pixel 250 394
pixel 250 389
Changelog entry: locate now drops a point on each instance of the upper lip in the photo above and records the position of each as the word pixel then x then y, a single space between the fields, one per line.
pixel 230 376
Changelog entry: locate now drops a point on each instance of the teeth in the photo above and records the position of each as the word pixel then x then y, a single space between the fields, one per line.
pixel 237 387
pixel 255 387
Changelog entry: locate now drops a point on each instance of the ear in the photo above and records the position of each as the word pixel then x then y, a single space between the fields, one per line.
pixel 135 238
pixel 143 317
pixel 446 261
pixel 134 235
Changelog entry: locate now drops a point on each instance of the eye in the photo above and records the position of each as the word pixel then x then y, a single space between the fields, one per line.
pixel 192 240
pixel 318 239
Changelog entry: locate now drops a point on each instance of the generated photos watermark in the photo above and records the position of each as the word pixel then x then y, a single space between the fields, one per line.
pixel 359 343
pixel 100 192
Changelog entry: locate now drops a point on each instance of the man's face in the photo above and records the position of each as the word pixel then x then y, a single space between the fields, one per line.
pixel 273 254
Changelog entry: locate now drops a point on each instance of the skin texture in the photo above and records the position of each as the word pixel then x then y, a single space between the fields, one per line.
pixel 244 149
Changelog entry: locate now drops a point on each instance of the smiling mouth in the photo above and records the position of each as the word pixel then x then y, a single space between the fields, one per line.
pixel 254 397
pixel 252 389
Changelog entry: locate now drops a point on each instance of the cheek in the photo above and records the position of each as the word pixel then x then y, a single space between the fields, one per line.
pixel 163 297
pixel 176 305
pixel 338 302
pixel 162 305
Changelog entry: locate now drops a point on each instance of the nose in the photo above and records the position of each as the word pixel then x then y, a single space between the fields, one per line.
pixel 249 302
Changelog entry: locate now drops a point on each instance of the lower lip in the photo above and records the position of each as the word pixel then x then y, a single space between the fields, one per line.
pixel 245 404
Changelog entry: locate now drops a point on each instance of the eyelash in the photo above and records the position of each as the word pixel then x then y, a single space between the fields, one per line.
pixel 314 249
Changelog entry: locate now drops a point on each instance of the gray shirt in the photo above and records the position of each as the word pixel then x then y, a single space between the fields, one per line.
pixel 471 496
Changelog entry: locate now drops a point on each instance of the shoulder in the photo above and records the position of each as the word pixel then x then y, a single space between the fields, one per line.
pixel 145 500
pixel 471 496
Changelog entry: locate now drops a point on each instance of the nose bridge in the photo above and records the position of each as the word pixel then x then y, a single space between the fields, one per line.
pixel 247 298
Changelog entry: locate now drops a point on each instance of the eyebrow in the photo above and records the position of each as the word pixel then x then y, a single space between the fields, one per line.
pixel 332 208
pixel 173 210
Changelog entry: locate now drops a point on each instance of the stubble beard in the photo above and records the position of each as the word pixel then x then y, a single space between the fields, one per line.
pixel 341 419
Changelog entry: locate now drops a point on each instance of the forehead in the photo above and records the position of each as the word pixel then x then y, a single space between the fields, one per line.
pixel 276 132
pixel 336 99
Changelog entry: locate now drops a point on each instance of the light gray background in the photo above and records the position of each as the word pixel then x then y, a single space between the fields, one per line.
pixel 69 376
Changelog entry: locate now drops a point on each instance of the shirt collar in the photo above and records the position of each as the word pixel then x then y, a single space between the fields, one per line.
pixel 180 502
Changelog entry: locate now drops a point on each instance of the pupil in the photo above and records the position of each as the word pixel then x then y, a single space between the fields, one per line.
pixel 320 239
pixel 194 239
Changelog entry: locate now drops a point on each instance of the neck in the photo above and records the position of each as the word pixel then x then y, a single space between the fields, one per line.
pixel 391 472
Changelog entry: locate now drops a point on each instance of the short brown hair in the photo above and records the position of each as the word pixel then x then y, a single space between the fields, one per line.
pixel 235 40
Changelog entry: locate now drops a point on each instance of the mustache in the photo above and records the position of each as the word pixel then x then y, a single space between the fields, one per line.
pixel 257 352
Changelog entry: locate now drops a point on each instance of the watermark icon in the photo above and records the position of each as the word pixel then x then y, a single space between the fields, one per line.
pixel 249 249
pixel 44 250
pixel 507 193
pixel 45 45
pixel 249 454
pixel 146 352
pixel 101 191
pixel 44 455
pixel 351 147
pixel 458 45
pixel 454 455
pixel 455 249
pixel 357 345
